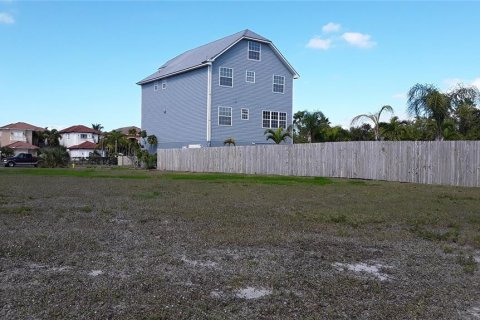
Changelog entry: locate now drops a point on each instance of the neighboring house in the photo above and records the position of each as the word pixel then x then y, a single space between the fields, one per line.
pixel 236 87
pixel 127 131
pixel 19 137
pixel 79 140
pixel 82 150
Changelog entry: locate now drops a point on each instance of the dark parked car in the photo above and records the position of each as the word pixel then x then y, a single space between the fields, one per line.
pixel 21 159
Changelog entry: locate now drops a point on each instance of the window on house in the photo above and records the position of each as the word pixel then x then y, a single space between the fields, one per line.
pixel 282 122
pixel 254 50
pixel 274 119
pixel 83 136
pixel 278 84
pixel 17 135
pixel 266 119
pixel 226 77
pixel 250 76
pixel 224 116
pixel 244 114
pixel 155 86
pixel 164 84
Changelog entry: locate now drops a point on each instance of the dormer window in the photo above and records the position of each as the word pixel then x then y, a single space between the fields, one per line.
pixel 254 49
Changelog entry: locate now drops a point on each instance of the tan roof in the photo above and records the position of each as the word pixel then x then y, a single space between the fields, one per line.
pixel 125 130
pixel 22 126
pixel 79 129
pixel 21 145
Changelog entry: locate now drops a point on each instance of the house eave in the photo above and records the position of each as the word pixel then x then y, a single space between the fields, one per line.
pixel 203 64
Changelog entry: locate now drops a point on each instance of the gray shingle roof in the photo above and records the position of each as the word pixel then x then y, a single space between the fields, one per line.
pixel 198 57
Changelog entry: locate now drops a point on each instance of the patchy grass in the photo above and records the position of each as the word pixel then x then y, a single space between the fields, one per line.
pixel 105 243
pixel 222 178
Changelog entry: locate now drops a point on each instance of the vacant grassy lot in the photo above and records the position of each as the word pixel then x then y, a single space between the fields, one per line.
pixel 120 244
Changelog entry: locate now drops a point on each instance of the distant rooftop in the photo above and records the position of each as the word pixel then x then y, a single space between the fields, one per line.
pixel 22 126
pixel 79 129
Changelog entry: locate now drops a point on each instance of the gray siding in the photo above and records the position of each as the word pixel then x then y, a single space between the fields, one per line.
pixel 177 115
pixel 256 96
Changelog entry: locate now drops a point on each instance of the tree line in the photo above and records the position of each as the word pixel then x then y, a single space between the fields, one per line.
pixel 437 115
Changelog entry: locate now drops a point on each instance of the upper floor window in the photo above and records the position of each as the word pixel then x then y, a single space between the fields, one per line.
pixel 254 49
pixel 274 119
pixel 224 116
pixel 18 136
pixel 278 84
pixel 226 77
pixel 164 84
pixel 244 114
pixel 83 136
pixel 155 86
pixel 250 76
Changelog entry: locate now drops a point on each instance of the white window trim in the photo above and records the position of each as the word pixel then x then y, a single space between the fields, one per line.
pixel 220 75
pixel 164 84
pixel 246 76
pixel 278 119
pixel 248 114
pixel 284 83
pixel 259 52
pixel 218 117
pixel 155 86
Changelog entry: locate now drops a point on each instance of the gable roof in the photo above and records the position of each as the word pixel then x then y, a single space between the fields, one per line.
pixel 201 56
pixel 21 145
pixel 22 126
pixel 84 145
pixel 79 129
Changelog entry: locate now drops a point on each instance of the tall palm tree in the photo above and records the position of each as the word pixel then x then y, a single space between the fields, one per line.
pixel 115 141
pixel 375 118
pixel 278 135
pixel 97 126
pixel 426 100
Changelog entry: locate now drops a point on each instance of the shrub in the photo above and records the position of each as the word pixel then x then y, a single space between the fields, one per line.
pixel 52 157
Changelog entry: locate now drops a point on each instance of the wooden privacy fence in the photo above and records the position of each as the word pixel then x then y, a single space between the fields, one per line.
pixel 431 162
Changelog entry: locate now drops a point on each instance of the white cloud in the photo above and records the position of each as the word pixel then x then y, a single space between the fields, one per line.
pixel 358 39
pixel 5 18
pixel 331 27
pixel 400 96
pixel 318 43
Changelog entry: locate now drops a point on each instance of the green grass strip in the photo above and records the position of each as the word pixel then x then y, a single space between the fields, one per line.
pixel 221 177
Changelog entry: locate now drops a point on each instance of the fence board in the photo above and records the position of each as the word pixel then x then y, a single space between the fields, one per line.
pixel 430 162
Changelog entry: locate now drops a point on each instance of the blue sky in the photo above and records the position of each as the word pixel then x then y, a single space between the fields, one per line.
pixel 67 63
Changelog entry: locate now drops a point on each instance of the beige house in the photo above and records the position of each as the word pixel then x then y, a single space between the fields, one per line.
pixel 19 137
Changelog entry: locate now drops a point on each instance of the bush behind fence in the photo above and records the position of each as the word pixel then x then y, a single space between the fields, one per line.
pixel 431 162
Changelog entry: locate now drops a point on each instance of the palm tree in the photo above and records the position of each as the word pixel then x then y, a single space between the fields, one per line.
pixel 278 135
pixel 115 140
pixel 229 141
pixel 152 140
pixel 426 100
pixel 97 126
pixel 51 137
pixel 393 130
pixel 375 118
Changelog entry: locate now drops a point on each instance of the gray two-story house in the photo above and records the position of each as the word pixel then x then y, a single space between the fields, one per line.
pixel 235 87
